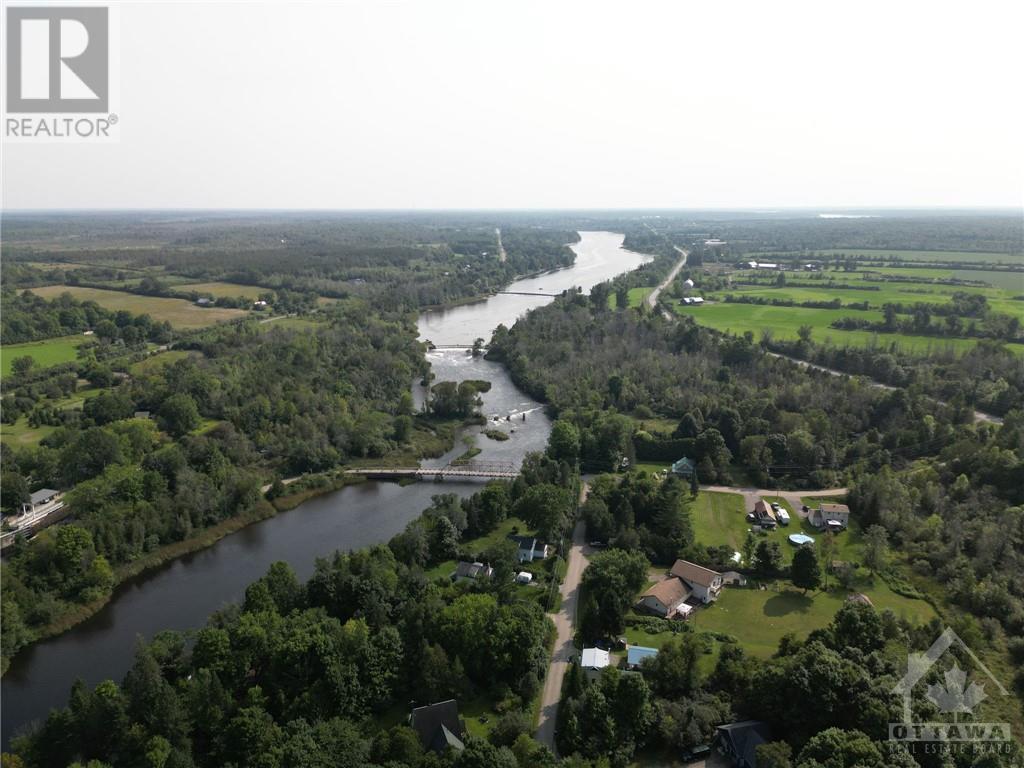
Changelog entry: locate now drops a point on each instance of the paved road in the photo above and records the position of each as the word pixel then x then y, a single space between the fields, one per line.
pixel 978 415
pixel 565 623
pixel 652 297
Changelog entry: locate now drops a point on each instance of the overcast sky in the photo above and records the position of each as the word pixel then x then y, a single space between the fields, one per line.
pixel 551 104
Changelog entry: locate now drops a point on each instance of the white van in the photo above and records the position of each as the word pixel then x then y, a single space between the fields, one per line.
pixel 782 515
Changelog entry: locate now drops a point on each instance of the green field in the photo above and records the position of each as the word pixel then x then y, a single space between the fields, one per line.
pixel 886 254
pixel 219 290
pixel 180 313
pixel 45 353
pixel 720 518
pixel 784 323
pixel 760 617
pixel 159 360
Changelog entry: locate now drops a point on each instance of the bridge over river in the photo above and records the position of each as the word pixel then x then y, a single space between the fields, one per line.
pixel 466 470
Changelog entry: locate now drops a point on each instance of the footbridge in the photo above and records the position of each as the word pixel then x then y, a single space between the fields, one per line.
pixel 457 470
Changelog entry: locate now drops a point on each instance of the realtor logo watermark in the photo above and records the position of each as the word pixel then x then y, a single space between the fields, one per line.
pixel 956 697
pixel 60 82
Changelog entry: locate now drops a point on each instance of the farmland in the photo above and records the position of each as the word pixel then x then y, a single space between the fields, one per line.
pixel 889 255
pixel 45 353
pixel 178 312
pixel 876 287
pixel 222 290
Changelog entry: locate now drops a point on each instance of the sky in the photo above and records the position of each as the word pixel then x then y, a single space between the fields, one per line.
pixel 441 104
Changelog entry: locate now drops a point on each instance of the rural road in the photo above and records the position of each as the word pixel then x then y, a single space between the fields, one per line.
pixel 978 415
pixel 502 256
pixel 652 297
pixel 565 621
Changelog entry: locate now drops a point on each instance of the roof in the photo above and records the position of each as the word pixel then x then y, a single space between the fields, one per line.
pixel 833 509
pixel 693 573
pixel 472 570
pixel 595 658
pixel 637 653
pixel 859 597
pixel 684 464
pixel 744 737
pixel 525 542
pixel 670 592
pixel 42 495
pixel 439 725
pixel 761 507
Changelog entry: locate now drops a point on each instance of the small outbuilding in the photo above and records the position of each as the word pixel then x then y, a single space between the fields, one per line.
pixel 684 468
pixel 524 577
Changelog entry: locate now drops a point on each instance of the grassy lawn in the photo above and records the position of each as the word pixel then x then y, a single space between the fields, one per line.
pixel 636 297
pixel 180 313
pixel 157 361
pixel 21 434
pixel 222 290
pixel 759 618
pixel 720 518
pixel 45 353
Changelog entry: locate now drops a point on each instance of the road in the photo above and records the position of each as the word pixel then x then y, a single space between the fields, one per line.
pixel 565 625
pixel 978 415
pixel 502 256
pixel 652 297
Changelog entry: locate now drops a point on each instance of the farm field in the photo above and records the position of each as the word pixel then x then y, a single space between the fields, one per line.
pixel 178 312
pixel 786 321
pixel 886 254
pixel 222 290
pixel 46 353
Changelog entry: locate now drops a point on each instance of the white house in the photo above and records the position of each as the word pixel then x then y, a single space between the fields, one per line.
pixel 834 516
pixel 524 577
pixel 704 583
pixel 688 283
pixel 530 548
pixel 595 658
pixel 667 599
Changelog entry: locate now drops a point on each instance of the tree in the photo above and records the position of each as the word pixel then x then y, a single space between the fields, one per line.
pixel 610 584
pixel 806 573
pixel 13 491
pixel 564 442
pixel 179 414
pixel 768 557
pixel 673 671
pixel 804 333
pixel 876 548
pixel 22 365
pixel 546 508
pixel 827 543
pixel 774 754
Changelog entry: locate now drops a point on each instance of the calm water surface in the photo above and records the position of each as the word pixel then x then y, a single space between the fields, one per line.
pixel 182 594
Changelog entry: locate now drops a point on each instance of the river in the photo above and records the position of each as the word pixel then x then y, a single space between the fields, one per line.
pixel 183 593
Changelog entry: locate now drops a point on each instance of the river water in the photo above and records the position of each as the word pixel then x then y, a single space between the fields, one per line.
pixel 182 594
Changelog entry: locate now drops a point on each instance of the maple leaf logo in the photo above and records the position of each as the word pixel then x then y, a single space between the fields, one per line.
pixel 955 696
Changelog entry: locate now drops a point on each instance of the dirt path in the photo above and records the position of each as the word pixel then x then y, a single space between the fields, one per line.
pixel 502 256
pixel 652 297
pixel 978 415
pixel 565 624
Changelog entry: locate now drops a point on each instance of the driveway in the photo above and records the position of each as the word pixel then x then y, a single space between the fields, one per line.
pixel 752 495
pixel 565 626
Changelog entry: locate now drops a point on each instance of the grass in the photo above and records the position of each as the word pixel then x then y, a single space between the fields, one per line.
pixel 887 254
pixel 785 322
pixel 759 618
pixel 45 353
pixel 720 518
pixel 292 323
pixel 222 290
pixel 159 360
pixel 180 313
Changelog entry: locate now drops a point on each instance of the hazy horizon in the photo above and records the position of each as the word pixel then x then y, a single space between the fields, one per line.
pixel 451 105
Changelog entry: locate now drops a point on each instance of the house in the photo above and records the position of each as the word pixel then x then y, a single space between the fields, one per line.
pixel 693 300
pixel 530 548
pixel 202 301
pixel 471 571
pixel 763 511
pixel 141 415
pixel 595 659
pixel 835 517
pixel 688 283
pixel 439 726
pixel 260 304
pixel 714 242
pixel 667 599
pixel 738 742
pixel 860 597
pixel 684 468
pixel 635 655
pixel 703 582
pixel 524 577
pixel 41 499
